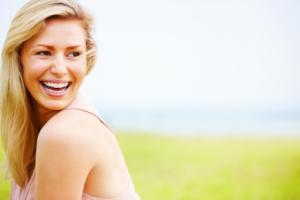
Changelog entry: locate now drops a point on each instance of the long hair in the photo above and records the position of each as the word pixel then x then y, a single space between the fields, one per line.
pixel 18 117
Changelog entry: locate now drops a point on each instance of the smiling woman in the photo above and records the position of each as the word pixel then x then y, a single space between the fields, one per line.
pixel 53 65
pixel 57 146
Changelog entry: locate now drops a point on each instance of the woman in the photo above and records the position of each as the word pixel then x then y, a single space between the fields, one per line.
pixel 56 145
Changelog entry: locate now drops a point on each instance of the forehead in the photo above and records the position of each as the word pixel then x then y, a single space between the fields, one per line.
pixel 60 31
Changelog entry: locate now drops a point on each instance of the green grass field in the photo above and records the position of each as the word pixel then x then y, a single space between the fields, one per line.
pixel 190 168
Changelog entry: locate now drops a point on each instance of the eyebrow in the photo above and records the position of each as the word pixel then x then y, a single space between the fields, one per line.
pixel 52 48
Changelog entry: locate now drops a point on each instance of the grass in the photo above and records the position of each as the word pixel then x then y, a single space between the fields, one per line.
pixel 191 168
pixel 4 184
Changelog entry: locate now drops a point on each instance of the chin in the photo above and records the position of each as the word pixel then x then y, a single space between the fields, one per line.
pixel 54 105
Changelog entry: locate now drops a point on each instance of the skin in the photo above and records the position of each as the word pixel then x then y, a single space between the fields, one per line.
pixel 51 56
pixel 75 153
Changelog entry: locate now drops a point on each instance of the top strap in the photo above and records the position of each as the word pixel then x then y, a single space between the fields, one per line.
pixel 92 113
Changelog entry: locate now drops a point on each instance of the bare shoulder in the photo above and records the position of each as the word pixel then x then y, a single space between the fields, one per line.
pixel 78 129
pixel 76 144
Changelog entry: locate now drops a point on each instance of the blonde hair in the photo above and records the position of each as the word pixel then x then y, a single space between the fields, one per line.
pixel 18 117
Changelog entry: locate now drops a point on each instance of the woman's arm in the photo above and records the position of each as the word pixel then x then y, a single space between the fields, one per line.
pixel 64 157
pixel 73 146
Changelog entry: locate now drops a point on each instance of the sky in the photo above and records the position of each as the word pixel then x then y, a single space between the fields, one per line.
pixel 192 53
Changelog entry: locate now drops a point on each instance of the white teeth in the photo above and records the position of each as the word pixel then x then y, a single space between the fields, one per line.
pixel 56 85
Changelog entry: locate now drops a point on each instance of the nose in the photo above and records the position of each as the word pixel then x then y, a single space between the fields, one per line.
pixel 59 66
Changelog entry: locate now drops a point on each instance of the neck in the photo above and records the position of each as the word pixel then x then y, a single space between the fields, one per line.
pixel 44 116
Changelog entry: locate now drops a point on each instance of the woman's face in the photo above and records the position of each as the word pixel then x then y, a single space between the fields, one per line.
pixel 54 64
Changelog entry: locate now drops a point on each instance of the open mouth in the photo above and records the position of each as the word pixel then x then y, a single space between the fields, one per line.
pixel 55 89
pixel 56 86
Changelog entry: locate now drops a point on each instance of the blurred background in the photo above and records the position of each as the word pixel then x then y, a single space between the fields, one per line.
pixel 203 95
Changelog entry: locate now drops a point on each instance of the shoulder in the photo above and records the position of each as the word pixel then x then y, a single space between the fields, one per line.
pixel 69 147
pixel 73 129
pixel 68 137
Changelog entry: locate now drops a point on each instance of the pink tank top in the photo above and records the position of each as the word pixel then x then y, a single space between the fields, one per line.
pixel 27 193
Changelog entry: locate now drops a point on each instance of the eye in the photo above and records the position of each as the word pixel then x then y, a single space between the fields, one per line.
pixel 74 54
pixel 43 53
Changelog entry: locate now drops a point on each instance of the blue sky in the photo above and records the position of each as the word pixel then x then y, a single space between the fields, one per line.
pixel 201 54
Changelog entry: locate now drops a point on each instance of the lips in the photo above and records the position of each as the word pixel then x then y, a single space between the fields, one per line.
pixel 55 88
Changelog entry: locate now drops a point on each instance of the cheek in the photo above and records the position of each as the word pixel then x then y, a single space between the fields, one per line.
pixel 33 69
pixel 79 70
